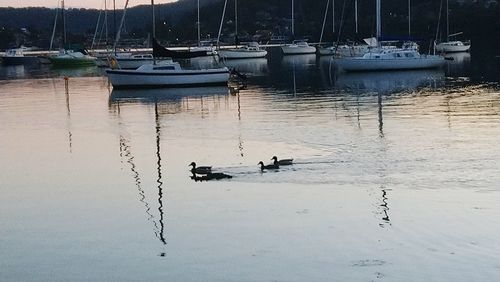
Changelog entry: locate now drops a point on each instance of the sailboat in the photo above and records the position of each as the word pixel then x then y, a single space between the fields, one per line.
pixel 451 46
pixel 203 45
pixel 250 51
pixel 298 47
pixel 71 58
pixel 165 74
pixel 389 58
pixel 344 50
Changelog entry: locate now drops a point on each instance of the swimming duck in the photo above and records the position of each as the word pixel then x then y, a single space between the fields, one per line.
pixel 211 176
pixel 282 161
pixel 271 166
pixel 200 169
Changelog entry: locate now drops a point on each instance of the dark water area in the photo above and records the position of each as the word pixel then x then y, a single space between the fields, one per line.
pixel 395 175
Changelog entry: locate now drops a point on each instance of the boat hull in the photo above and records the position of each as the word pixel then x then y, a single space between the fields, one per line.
pixel 298 50
pixel 20 60
pixel 363 64
pixel 343 51
pixel 441 48
pixel 72 62
pixel 126 79
pixel 237 54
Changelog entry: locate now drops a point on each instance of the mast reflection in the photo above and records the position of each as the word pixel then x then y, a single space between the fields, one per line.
pixel 160 235
pixel 68 110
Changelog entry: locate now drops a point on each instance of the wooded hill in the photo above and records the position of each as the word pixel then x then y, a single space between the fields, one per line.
pixel 176 22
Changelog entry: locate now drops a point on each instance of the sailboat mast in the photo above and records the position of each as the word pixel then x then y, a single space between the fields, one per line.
pixel 447 22
pixel 333 16
pixel 409 19
pixel 106 21
pixel 356 14
pixel 153 18
pixel 324 22
pixel 293 19
pixel 64 23
pixel 55 25
pixel 236 18
pixel 198 24
pixel 114 18
pixel 379 29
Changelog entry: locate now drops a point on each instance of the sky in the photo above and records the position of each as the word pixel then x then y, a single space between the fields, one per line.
pixel 75 3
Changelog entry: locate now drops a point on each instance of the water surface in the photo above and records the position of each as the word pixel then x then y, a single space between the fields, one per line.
pixel 395 176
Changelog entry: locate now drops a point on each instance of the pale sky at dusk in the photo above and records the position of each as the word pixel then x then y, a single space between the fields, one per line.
pixel 75 3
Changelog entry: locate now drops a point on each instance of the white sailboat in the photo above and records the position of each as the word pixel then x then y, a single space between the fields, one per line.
pixel 250 51
pixel 166 74
pixel 389 58
pixel 203 45
pixel 298 47
pixel 454 45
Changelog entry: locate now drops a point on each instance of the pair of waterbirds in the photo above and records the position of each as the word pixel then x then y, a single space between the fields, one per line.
pixel 276 163
pixel 206 172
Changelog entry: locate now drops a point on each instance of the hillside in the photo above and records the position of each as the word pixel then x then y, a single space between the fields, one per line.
pixel 176 22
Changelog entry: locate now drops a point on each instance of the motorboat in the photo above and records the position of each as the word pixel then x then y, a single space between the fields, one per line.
pixel 166 74
pixel 16 56
pixel 250 51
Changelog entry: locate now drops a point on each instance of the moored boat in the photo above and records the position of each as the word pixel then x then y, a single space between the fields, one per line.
pixel 250 51
pixel 70 58
pixel 390 59
pixel 298 48
pixel 14 57
pixel 167 74
pixel 452 47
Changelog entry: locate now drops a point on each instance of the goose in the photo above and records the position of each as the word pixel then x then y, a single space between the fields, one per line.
pixel 271 166
pixel 200 169
pixel 282 161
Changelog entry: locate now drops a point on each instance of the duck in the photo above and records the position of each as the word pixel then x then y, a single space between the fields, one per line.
pixel 282 161
pixel 200 169
pixel 211 176
pixel 271 166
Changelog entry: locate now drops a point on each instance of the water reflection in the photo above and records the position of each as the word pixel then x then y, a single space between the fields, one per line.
pixel 68 119
pixel 257 66
pixel 165 94
pixel 389 82
pixel 300 62
pixel 161 234
pixel 458 64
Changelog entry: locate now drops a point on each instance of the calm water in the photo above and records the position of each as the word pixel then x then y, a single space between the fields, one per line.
pixel 396 176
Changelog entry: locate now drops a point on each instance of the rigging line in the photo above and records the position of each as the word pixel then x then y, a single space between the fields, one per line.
pixel 324 22
pixel 341 24
pixel 220 26
pixel 121 25
pixel 96 29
